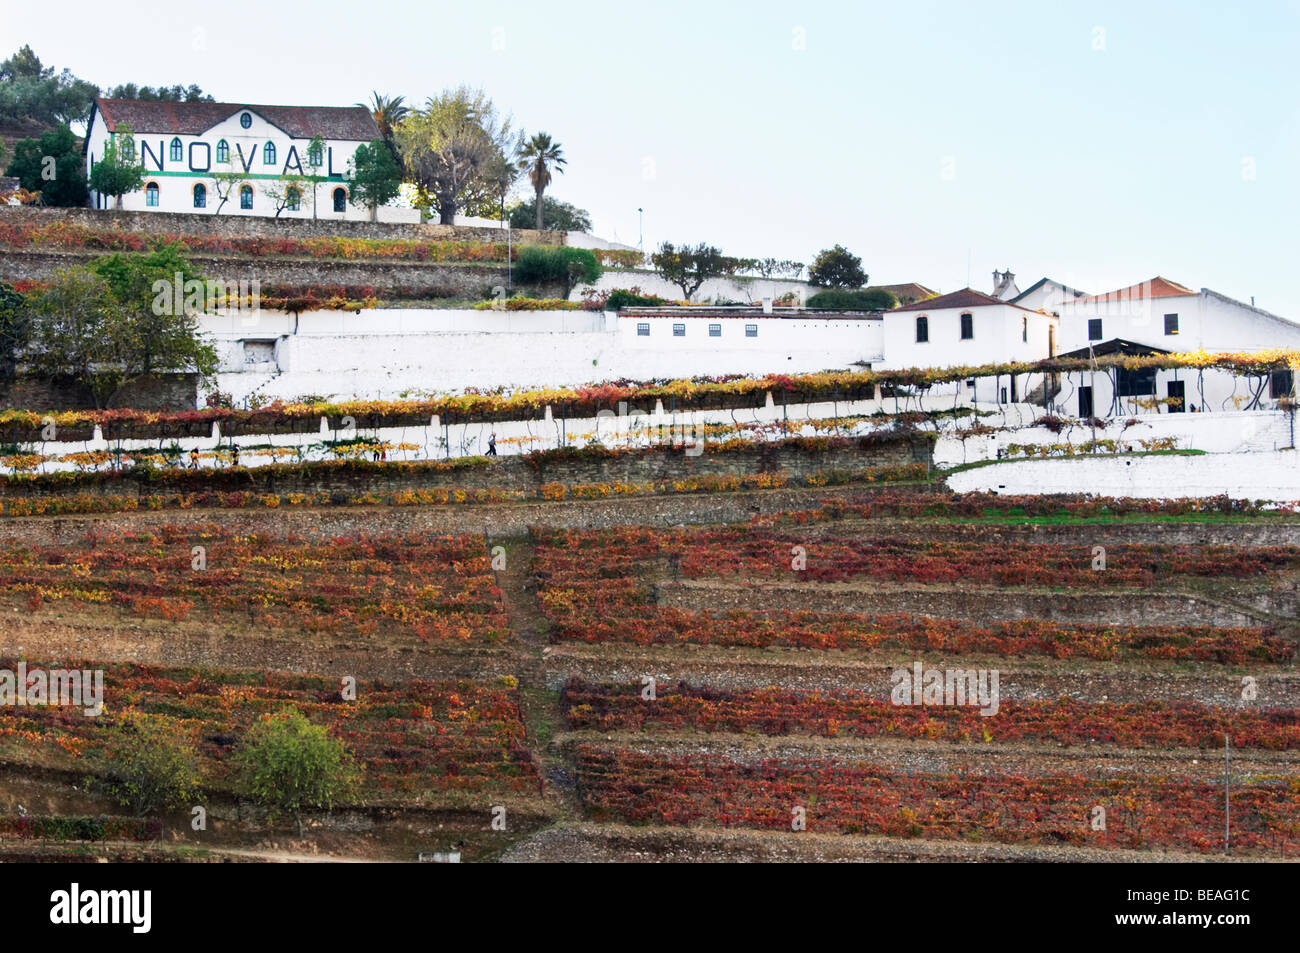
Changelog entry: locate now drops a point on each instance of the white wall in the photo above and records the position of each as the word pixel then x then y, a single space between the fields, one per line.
pixel 1206 321
pixel 748 290
pixel 389 353
pixel 1271 476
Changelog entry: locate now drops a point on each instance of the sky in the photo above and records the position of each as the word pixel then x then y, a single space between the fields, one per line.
pixel 1097 143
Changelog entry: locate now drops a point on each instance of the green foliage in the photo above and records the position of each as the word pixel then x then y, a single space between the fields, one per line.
pixel 621 298
pixel 29 90
pixel 540 156
pixel 160 94
pixel 149 766
pixel 61 182
pixel 290 765
pixel 454 150
pixel 688 267
pixel 373 176
pixel 15 329
pixel 541 264
pixel 103 325
pixel 871 299
pixel 118 172
pixel 557 215
pixel 837 268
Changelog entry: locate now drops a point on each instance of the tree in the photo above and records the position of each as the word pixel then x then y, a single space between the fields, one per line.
pixel 539 156
pixel 689 267
pixel 117 172
pixel 76 326
pixel 155 337
pixel 837 268
pixel 149 766
pixel 388 112
pixel 160 94
pixel 29 90
pixel 290 765
pixel 15 330
pixel 542 264
pixel 224 183
pixel 314 162
pixel 52 166
pixel 452 148
pixel 106 325
pixel 868 299
pixel 373 176
pixel 286 191
pixel 556 215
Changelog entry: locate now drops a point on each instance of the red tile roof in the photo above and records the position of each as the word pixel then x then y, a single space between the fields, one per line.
pixel 966 298
pixel 191 119
pixel 1156 287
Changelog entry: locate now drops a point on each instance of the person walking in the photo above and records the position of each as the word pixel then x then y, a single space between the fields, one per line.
pixel 194 459
pixel 492 444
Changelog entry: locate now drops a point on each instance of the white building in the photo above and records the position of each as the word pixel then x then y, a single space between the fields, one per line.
pixel 391 353
pixel 1159 316
pixel 181 145
pixel 969 328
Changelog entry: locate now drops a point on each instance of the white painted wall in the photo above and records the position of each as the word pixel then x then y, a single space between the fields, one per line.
pixel 748 290
pixel 1207 321
pixel 1273 476
pixel 391 353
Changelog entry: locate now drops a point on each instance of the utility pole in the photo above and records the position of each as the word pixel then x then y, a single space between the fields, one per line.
pixel 1092 389
pixel 508 255
pixel 640 230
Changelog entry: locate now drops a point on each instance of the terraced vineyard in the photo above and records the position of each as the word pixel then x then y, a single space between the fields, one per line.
pixel 859 675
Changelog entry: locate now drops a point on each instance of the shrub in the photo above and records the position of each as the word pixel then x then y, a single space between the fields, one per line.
pixel 288 765
pixel 871 299
pixel 622 298
pixel 149 766
pixel 542 264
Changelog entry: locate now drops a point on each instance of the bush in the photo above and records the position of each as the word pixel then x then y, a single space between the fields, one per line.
pixel 622 298
pixel 872 299
pixel 542 264
pixel 149 766
pixel 289 765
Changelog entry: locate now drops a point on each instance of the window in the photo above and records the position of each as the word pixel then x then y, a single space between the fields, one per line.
pixel 1085 403
pixel 223 151
pixel 1137 383
pixel 715 330
pixel 314 157
pixel 293 199
pixel 967 327
pixel 200 196
pixel 1177 394
pixel 175 152
pixel 970 382
pixel 1094 329
pixel 340 200
pixel 1003 396
pixel 1281 384
pixel 751 330
pixel 1171 324
pixel 268 154
pixel 643 330
pixel 1024 327
pixel 922 329
pixel 151 195
pixel 679 330
pixel 245 120
pixel 128 150
pixel 246 197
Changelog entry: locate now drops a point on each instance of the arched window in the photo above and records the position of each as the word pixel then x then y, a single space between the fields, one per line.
pixel 246 197
pixel 922 329
pixel 151 195
pixel 200 196
pixel 340 200
pixel 175 152
pixel 295 199
pixel 245 120
pixel 128 149
pixel 223 151
pixel 268 153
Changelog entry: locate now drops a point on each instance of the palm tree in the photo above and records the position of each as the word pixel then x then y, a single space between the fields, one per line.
pixel 389 111
pixel 539 155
